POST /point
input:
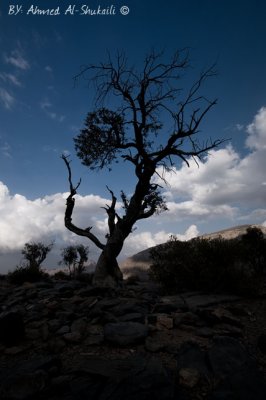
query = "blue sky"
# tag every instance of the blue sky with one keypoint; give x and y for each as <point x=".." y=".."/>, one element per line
<point x="41" y="110"/>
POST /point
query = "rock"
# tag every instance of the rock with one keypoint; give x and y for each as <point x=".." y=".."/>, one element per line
<point x="15" y="350"/>
<point x="262" y="343"/>
<point x="64" y="329"/>
<point x="169" y="304"/>
<point x="187" y="318"/>
<point x="220" y="315"/>
<point x="135" y="317"/>
<point x="94" y="340"/>
<point x="195" y="301"/>
<point x="44" y="331"/>
<point x="131" y="379"/>
<point x="54" y="325"/>
<point x="128" y="306"/>
<point x="72" y="337"/>
<point x="79" y="326"/>
<point x="56" y="345"/>
<point x="189" y="377"/>
<point x="191" y="356"/>
<point x="125" y="333"/>
<point x="226" y="355"/>
<point x="155" y="343"/>
<point x="234" y="370"/>
<point x="27" y="379"/>
<point x="164" y="322"/>
<point x="33" y="334"/>
<point x="12" y="329"/>
<point x="204" y="332"/>
<point x="103" y="318"/>
<point x="228" y="367"/>
<point x="228" y="330"/>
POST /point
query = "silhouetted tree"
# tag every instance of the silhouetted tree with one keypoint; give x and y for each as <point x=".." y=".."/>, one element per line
<point x="74" y="257"/>
<point x="135" y="132"/>
<point x="35" y="253"/>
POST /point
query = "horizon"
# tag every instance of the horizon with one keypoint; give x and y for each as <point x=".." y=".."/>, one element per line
<point x="41" y="110"/>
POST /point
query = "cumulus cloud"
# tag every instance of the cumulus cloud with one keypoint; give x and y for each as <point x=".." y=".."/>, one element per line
<point x="140" y="241"/>
<point x="42" y="219"/>
<point x="224" y="183"/>
<point x="257" y="132"/>
<point x="23" y="220"/>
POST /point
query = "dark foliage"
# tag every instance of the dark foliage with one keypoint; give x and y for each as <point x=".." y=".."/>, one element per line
<point x="103" y="134"/>
<point x="30" y="269"/>
<point x="211" y="265"/>
<point x="26" y="274"/>
<point x="35" y="253"/>
<point x="74" y="258"/>
<point x="61" y="276"/>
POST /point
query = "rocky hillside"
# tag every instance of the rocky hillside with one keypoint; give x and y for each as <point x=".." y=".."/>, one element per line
<point x="142" y="261"/>
<point x="68" y="340"/>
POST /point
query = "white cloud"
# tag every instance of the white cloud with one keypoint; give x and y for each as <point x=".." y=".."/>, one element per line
<point x="6" y="99"/>
<point x="17" y="59"/>
<point x="224" y="183"/>
<point x="141" y="241"/>
<point x="257" y="131"/>
<point x="23" y="220"/>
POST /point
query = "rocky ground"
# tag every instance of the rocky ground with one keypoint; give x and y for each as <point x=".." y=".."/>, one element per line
<point x="69" y="340"/>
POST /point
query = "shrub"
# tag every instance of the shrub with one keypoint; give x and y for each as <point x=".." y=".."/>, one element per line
<point x="30" y="269"/>
<point x="61" y="275"/>
<point x="211" y="265"/>
<point x="26" y="274"/>
<point x="85" y="277"/>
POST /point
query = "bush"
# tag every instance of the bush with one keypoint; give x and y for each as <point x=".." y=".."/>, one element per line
<point x="30" y="269"/>
<point x="61" y="275"/>
<point x="211" y="265"/>
<point x="85" y="277"/>
<point x="26" y="274"/>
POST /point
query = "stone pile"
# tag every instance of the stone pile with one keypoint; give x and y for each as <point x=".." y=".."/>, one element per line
<point x="69" y="340"/>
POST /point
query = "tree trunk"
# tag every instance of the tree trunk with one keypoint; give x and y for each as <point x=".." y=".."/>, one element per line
<point x="107" y="272"/>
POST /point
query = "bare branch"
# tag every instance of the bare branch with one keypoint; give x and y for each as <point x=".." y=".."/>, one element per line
<point x="73" y="189"/>
<point x="111" y="212"/>
<point x="70" y="204"/>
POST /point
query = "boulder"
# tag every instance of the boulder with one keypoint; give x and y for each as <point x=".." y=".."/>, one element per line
<point x="131" y="379"/>
<point x="125" y="333"/>
<point x="12" y="329"/>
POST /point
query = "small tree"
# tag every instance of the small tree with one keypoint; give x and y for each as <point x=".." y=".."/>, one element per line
<point x="74" y="257"/>
<point x="30" y="268"/>
<point x="134" y="133"/>
<point x="35" y="253"/>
